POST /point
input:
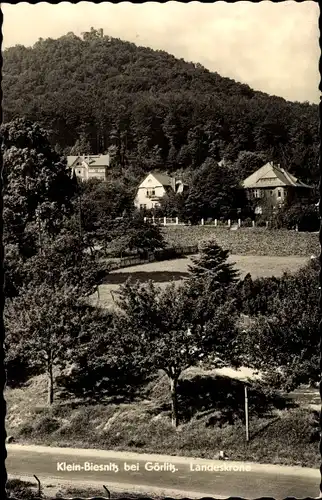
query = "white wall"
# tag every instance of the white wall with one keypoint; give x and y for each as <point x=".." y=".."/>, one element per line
<point x="149" y="183"/>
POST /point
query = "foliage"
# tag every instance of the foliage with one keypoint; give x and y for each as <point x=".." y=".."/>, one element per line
<point x="99" y="367"/>
<point x="169" y="330"/>
<point x="303" y="216"/>
<point x="210" y="267"/>
<point x="44" y="325"/>
<point x="37" y="195"/>
<point x="282" y="340"/>
<point x="153" y="109"/>
<point x="214" y="192"/>
<point x="133" y="233"/>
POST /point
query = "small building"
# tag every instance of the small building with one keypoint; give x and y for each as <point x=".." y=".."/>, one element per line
<point x="154" y="187"/>
<point x="272" y="186"/>
<point x="89" y="166"/>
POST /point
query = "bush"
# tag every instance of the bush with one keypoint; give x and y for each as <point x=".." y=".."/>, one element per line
<point x="46" y="425"/>
<point x="305" y="218"/>
<point x="166" y="254"/>
<point x="20" y="490"/>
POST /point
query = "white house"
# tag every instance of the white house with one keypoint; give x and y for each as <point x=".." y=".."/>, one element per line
<point x="154" y="187"/>
<point x="89" y="166"/>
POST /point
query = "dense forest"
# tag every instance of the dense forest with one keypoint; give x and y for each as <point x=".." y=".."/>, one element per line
<point x="151" y="110"/>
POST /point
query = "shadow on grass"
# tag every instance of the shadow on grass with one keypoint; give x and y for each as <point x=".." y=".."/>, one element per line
<point x="156" y="276"/>
<point x="226" y="395"/>
<point x="220" y="399"/>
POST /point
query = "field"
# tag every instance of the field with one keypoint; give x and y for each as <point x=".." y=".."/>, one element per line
<point x="246" y="241"/>
<point x="176" y="270"/>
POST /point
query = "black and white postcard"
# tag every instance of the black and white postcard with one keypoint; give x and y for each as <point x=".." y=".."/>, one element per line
<point x="161" y="249"/>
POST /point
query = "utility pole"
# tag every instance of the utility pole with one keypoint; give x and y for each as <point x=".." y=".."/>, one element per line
<point x="246" y="414"/>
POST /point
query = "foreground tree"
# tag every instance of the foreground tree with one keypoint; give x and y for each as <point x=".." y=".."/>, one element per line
<point x="44" y="327"/>
<point x="168" y="330"/>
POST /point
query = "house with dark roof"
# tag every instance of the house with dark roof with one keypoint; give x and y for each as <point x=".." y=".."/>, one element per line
<point x="154" y="187"/>
<point x="89" y="166"/>
<point x="271" y="186"/>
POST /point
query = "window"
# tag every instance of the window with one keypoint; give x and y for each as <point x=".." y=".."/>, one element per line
<point x="257" y="193"/>
<point x="279" y="193"/>
<point x="150" y="192"/>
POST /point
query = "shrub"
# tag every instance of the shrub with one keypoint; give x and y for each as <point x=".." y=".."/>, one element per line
<point x="46" y="425"/>
<point x="20" y="490"/>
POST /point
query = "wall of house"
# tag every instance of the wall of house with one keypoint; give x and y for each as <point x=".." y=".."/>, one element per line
<point x="96" y="173"/>
<point x="142" y="198"/>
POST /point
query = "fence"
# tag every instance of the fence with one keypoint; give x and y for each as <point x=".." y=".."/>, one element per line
<point x="157" y="255"/>
<point x="230" y="223"/>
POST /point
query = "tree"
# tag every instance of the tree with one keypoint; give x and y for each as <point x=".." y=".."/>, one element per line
<point x="248" y="162"/>
<point x="167" y="329"/>
<point x="82" y="146"/>
<point x="132" y="233"/>
<point x="211" y="267"/>
<point x="44" y="327"/>
<point x="37" y="194"/>
<point x="37" y="184"/>
<point x="213" y="192"/>
<point x="100" y="365"/>
<point x="283" y="342"/>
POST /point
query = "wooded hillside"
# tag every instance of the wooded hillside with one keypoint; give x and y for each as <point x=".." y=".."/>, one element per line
<point x="95" y="93"/>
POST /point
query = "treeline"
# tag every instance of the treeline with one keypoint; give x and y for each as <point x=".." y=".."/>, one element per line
<point x="150" y="110"/>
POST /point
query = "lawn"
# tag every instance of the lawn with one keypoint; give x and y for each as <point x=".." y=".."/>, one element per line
<point x="176" y="270"/>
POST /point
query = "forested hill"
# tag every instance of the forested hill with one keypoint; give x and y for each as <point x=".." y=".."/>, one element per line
<point x="151" y="110"/>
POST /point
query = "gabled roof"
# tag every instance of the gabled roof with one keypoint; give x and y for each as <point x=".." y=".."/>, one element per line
<point x="272" y="175"/>
<point x="164" y="179"/>
<point x="71" y="160"/>
<point x="90" y="160"/>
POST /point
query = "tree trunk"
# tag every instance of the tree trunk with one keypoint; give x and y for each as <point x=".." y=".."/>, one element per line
<point x="50" y="387"/>
<point x="174" y="401"/>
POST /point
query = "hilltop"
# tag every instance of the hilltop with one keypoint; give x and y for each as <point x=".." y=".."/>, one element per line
<point x="151" y="109"/>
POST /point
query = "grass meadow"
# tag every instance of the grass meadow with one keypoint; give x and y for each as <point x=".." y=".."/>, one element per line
<point x="177" y="270"/>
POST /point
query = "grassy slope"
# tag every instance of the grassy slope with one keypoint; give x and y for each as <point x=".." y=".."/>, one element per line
<point x="280" y="436"/>
<point x="246" y="241"/>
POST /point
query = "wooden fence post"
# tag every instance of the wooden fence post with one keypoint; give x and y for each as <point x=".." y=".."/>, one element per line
<point x="239" y="223"/>
<point x="202" y="222"/>
<point x="215" y="222"/>
<point x="177" y="220"/>
<point x="253" y="223"/>
<point x="228" y="222"/>
<point x="164" y="221"/>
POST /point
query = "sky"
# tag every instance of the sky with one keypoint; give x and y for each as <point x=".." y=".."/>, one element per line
<point x="273" y="47"/>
